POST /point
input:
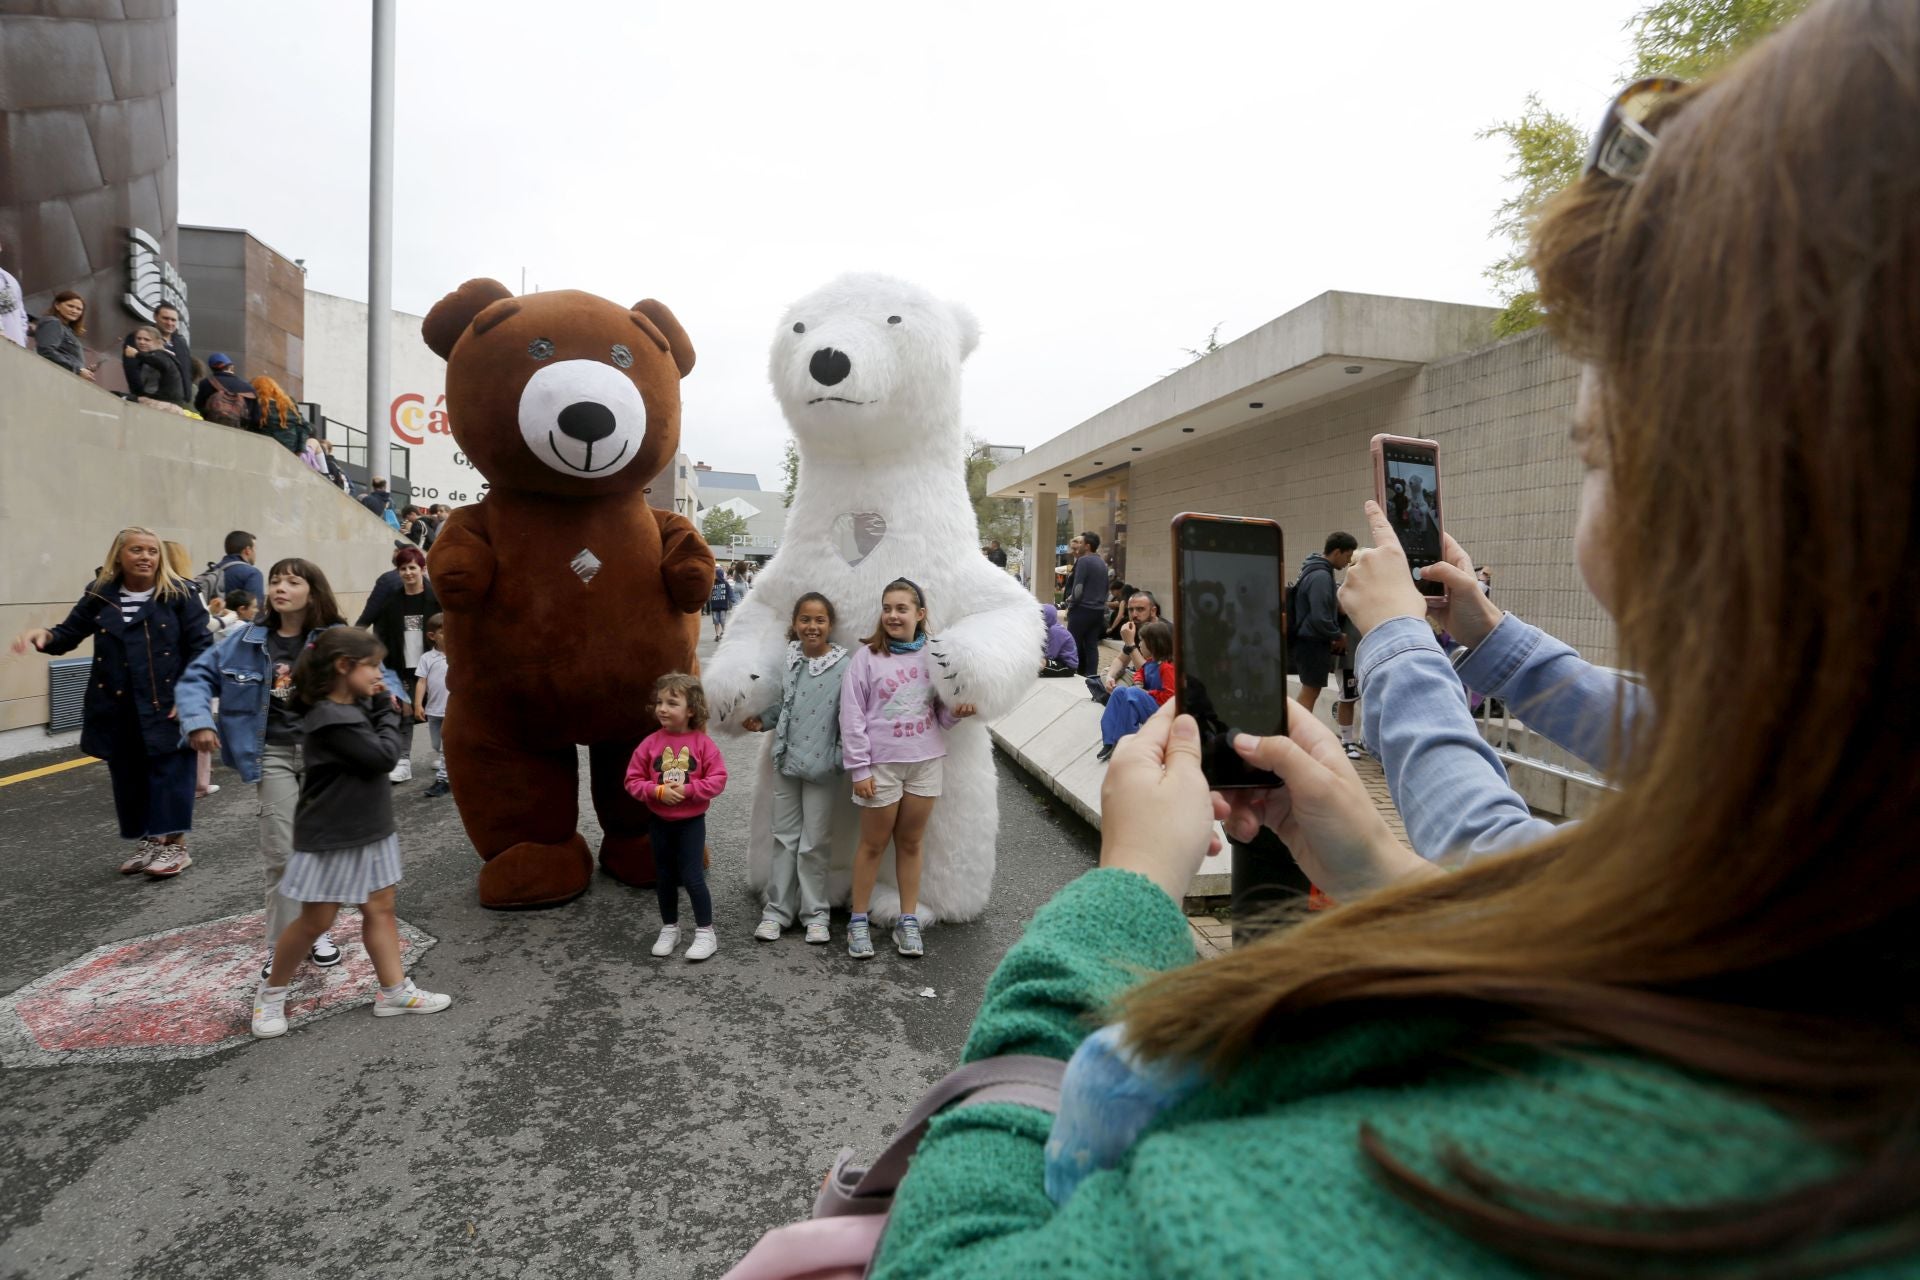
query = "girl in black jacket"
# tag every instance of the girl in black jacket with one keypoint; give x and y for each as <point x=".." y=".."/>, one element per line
<point x="345" y="851"/>
<point x="146" y="625"/>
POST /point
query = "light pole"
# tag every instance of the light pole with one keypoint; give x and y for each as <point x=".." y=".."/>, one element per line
<point x="380" y="246"/>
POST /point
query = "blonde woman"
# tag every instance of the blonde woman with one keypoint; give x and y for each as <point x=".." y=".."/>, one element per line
<point x="146" y="624"/>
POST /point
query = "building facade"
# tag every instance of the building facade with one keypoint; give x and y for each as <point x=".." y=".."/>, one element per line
<point x="1278" y="425"/>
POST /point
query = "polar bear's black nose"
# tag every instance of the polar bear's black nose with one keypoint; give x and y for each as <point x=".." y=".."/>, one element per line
<point x="829" y="366"/>
<point x="587" y="420"/>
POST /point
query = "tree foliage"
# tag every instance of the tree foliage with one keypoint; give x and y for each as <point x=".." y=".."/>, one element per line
<point x="1207" y="348"/>
<point x="721" y="526"/>
<point x="790" y="469"/>
<point x="1001" y="518"/>
<point x="1684" y="38"/>
<point x="1688" y="38"/>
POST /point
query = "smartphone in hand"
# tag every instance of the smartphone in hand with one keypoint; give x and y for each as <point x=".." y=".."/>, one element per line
<point x="1230" y="638"/>
<point x="1406" y="484"/>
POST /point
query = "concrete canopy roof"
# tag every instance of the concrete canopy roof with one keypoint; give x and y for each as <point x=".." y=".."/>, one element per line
<point x="1333" y="345"/>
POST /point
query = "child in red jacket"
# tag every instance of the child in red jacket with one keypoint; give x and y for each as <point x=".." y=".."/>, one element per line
<point x="676" y="772"/>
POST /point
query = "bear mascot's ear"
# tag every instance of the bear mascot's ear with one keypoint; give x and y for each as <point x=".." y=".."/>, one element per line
<point x="452" y="315"/>
<point x="659" y="324"/>
<point x="968" y="326"/>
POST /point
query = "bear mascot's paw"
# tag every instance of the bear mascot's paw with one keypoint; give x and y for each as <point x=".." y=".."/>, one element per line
<point x="537" y="875"/>
<point x="566" y="595"/>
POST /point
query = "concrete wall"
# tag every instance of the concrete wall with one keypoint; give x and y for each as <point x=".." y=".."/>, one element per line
<point x="1510" y="478"/>
<point x="80" y="465"/>
<point x="249" y="302"/>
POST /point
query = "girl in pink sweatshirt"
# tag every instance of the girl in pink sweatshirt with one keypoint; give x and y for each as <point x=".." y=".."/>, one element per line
<point x="893" y="736"/>
<point x="676" y="772"/>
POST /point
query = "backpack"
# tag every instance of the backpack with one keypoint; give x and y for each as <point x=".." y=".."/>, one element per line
<point x="229" y="408"/>
<point x="842" y="1238"/>
<point x="211" y="581"/>
<point x="1294" y="603"/>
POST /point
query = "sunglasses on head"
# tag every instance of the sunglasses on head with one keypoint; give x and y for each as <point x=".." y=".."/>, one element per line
<point x="1623" y="144"/>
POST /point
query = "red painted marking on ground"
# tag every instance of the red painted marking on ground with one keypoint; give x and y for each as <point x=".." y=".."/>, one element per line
<point x="181" y="993"/>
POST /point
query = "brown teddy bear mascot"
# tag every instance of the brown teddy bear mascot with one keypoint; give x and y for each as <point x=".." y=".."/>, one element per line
<point x="566" y="595"/>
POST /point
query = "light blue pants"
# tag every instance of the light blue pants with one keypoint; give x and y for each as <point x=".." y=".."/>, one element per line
<point x="802" y="831"/>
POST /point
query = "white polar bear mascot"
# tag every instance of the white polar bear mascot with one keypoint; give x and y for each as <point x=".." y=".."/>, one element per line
<point x="867" y="370"/>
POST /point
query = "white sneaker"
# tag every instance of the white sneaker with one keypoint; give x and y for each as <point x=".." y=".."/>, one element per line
<point x="705" y="943"/>
<point x="402" y="772"/>
<point x="817" y="932"/>
<point x="269" y="1013"/>
<point x="669" y="939"/>
<point x="767" y="930"/>
<point x="324" y="953"/>
<point x="409" y="999"/>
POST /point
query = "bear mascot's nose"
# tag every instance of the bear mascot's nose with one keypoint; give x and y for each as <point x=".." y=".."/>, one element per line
<point x="587" y="420"/>
<point x="829" y="366"/>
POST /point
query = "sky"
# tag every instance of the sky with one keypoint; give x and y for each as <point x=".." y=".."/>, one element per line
<point x="1101" y="183"/>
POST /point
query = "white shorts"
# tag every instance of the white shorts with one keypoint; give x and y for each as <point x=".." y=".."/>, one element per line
<point x="891" y="781"/>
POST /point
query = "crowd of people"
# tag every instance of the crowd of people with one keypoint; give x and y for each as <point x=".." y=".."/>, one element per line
<point x="262" y="669"/>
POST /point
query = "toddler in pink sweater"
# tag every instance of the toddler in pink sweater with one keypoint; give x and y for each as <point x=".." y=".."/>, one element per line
<point x="893" y="736"/>
<point x="676" y="772"/>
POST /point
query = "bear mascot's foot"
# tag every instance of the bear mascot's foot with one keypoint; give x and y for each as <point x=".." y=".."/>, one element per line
<point x="628" y="859"/>
<point x="536" y="875"/>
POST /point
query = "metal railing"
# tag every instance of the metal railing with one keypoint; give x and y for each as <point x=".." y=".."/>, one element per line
<point x="350" y="451"/>
<point x="1514" y="743"/>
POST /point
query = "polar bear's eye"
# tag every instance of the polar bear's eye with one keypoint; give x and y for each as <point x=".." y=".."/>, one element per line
<point x="893" y="319"/>
<point x="798" y="327"/>
<point x="540" y="348"/>
<point x="622" y="356"/>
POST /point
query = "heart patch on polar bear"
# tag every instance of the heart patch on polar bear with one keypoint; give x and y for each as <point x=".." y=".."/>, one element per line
<point x="856" y="533"/>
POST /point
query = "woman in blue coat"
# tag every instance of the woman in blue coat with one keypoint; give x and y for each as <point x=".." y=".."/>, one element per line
<point x="146" y="624"/>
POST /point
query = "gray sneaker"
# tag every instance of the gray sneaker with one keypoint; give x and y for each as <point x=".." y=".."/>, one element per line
<point x="906" y="937"/>
<point x="859" y="941"/>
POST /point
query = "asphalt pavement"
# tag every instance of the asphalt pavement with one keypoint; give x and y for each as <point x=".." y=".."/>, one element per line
<point x="583" y="1110"/>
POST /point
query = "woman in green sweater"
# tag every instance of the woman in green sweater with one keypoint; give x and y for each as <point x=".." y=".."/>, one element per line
<point x="1680" y="1038"/>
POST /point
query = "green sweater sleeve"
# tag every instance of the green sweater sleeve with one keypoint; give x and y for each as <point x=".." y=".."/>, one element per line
<point x="974" y="1202"/>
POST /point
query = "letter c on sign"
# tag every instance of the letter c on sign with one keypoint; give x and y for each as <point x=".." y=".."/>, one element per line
<point x="407" y="417"/>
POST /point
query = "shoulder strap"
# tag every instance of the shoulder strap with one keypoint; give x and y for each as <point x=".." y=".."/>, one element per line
<point x="1024" y="1079"/>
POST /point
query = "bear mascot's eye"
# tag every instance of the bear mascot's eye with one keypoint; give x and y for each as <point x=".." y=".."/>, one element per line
<point x="893" y="319"/>
<point x="798" y="327"/>
<point x="622" y="356"/>
<point x="540" y="348"/>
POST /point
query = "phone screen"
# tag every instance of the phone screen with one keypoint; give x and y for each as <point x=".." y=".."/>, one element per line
<point x="1230" y="640"/>
<point x="1412" y="501"/>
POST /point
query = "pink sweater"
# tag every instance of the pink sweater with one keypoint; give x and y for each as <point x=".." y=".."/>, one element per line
<point x="889" y="713"/>
<point x="688" y="758"/>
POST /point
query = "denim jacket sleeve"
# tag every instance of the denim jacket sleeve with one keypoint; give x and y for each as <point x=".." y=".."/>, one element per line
<point x="1553" y="690"/>
<point x="1450" y="787"/>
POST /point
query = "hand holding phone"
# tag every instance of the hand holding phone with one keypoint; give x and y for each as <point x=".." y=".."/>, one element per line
<point x="1230" y="638"/>
<point x="1406" y="487"/>
<point x="1378" y="585"/>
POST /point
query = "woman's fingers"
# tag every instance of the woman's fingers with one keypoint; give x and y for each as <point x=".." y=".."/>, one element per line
<point x="1380" y="526"/>
<point x="1455" y="554"/>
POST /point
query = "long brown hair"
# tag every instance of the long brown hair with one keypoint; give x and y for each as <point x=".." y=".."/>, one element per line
<point x="318" y="669"/>
<point x="67" y="295"/>
<point x="321" y="611"/>
<point x="877" y="642"/>
<point x="1746" y="905"/>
